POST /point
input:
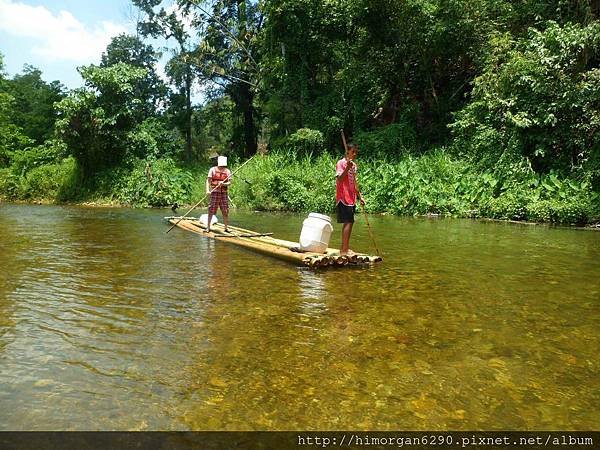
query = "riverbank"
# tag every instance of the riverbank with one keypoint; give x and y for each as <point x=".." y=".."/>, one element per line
<point x="435" y="183"/>
<point x="181" y="208"/>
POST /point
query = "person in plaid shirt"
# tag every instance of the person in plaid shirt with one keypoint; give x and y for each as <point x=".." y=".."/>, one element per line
<point x="217" y="182"/>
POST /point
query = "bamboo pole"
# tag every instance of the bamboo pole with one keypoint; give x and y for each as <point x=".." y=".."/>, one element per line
<point x="247" y="235"/>
<point x="339" y="261"/>
<point x="370" y="231"/>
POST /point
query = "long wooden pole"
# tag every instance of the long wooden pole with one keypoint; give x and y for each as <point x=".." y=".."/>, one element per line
<point x="363" y="206"/>
<point x="211" y="191"/>
<point x="370" y="231"/>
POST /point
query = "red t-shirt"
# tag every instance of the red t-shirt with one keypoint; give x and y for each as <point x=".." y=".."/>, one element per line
<point x="345" y="188"/>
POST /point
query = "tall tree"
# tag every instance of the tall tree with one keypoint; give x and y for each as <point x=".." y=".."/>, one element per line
<point x="225" y="54"/>
<point x="233" y="40"/>
<point x="169" y="24"/>
<point x="306" y="46"/>
<point x="12" y="137"/>
<point x="34" y="103"/>
<point x="151" y="90"/>
<point x="96" y="121"/>
<point x="537" y="99"/>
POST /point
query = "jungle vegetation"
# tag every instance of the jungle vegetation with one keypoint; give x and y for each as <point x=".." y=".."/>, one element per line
<point x="480" y="108"/>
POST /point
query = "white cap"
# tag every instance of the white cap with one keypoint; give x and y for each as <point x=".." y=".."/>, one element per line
<point x="222" y="161"/>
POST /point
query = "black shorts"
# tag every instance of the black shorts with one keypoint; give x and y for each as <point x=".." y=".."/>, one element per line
<point x="345" y="213"/>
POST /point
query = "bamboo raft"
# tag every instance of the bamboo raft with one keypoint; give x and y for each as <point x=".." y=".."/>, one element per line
<point x="266" y="244"/>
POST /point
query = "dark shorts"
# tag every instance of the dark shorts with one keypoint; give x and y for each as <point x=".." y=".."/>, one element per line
<point x="345" y="213"/>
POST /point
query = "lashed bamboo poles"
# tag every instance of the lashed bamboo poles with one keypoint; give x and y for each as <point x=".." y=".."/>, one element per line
<point x="271" y="246"/>
<point x="330" y="252"/>
<point x="261" y="247"/>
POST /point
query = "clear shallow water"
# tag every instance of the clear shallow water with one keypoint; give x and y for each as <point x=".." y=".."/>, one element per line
<point x="108" y="323"/>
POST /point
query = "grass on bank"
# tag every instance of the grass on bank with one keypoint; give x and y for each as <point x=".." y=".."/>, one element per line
<point x="433" y="183"/>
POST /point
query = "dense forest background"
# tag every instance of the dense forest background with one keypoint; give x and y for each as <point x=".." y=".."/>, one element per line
<point x="464" y="107"/>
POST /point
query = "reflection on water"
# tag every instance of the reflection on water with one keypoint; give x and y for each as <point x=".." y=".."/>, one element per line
<point x="106" y="322"/>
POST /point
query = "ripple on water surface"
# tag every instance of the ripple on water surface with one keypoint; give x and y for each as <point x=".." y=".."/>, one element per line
<point x="106" y="322"/>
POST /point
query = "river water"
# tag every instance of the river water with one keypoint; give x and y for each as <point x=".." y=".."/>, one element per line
<point x="108" y="323"/>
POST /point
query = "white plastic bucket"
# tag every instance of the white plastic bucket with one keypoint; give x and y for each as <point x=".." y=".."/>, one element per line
<point x="316" y="232"/>
<point x="204" y="219"/>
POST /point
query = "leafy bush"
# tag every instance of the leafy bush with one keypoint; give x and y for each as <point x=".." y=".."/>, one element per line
<point x="305" y="142"/>
<point x="393" y="140"/>
<point x="283" y="181"/>
<point x="572" y="211"/>
<point x="433" y="183"/>
<point x="537" y="98"/>
<point x="509" y="206"/>
<point x="44" y="182"/>
<point x="50" y="152"/>
<point x="289" y="191"/>
<point x="12" y="137"/>
<point x="10" y="184"/>
<point x="429" y="184"/>
<point x="155" y="183"/>
<point x="153" y="139"/>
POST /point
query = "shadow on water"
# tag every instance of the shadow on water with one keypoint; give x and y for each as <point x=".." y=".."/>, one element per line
<point x="108" y="323"/>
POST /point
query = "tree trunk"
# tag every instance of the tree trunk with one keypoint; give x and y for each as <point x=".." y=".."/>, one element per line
<point x="250" y="134"/>
<point x="188" y="115"/>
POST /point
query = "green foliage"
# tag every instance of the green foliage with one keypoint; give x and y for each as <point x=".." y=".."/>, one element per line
<point x="212" y="124"/>
<point x="537" y="99"/>
<point x="434" y="183"/>
<point x="387" y="142"/>
<point x="46" y="181"/>
<point x="508" y="206"/>
<point x="150" y="90"/>
<point x="154" y="183"/>
<point x="284" y="181"/>
<point x="43" y="182"/>
<point x="305" y="142"/>
<point x="10" y="184"/>
<point x="50" y="152"/>
<point x="153" y="139"/>
<point x="570" y="211"/>
<point x="26" y="114"/>
<point x="95" y="122"/>
<point x="12" y="137"/>
<point x="34" y="100"/>
<point x="545" y="198"/>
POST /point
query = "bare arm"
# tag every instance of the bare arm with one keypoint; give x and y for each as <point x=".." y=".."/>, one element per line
<point x="344" y="173"/>
<point x="227" y="181"/>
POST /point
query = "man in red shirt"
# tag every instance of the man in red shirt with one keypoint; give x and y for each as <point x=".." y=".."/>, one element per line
<point x="346" y="194"/>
